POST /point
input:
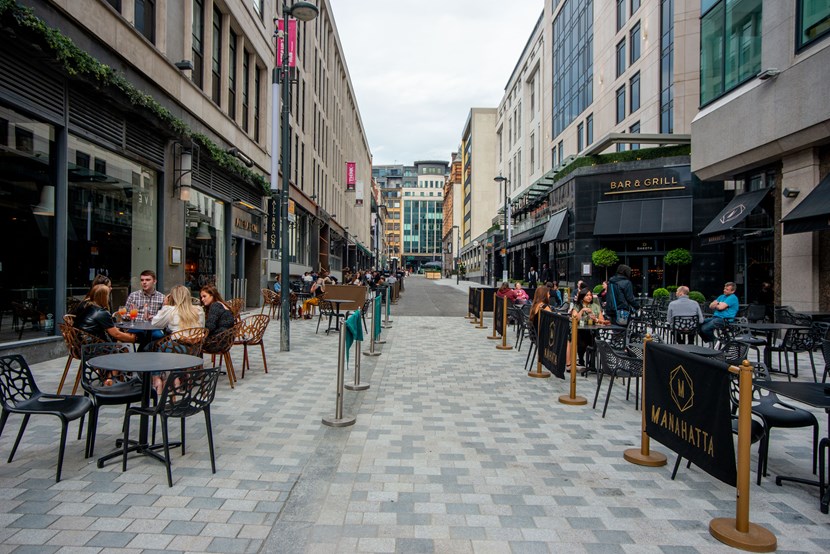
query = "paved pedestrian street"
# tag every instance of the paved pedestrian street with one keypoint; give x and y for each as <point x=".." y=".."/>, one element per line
<point x="455" y="449"/>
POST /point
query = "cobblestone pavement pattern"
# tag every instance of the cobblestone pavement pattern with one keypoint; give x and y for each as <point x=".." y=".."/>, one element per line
<point x="455" y="449"/>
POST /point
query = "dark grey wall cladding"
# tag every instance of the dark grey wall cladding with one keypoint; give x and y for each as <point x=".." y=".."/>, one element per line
<point x="41" y="91"/>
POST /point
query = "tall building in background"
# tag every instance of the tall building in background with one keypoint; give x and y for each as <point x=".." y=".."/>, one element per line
<point x="422" y="214"/>
<point x="389" y="179"/>
<point x="453" y="214"/>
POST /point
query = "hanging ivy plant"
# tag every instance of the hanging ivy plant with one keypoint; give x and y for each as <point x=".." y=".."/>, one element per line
<point x="79" y="64"/>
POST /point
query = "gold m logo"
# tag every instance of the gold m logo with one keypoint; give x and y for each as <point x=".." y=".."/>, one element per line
<point x="682" y="388"/>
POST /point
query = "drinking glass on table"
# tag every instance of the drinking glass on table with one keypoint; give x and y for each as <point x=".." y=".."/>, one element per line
<point x="122" y="311"/>
<point x="133" y="313"/>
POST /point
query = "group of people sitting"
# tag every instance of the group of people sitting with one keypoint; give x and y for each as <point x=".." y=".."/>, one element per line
<point x="169" y="313"/>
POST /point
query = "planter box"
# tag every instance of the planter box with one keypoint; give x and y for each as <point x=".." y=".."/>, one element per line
<point x="432" y="274"/>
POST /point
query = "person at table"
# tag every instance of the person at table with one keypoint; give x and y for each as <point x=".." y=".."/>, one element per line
<point x="277" y="285"/>
<point x="219" y="317"/>
<point x="588" y="312"/>
<point x="683" y="306"/>
<point x="147" y="300"/>
<point x="99" y="280"/>
<point x="318" y="289"/>
<point x="726" y="308"/>
<point x="504" y="290"/>
<point x="541" y="301"/>
<point x="579" y="286"/>
<point x="95" y="318"/>
<point x="519" y="297"/>
<point x="178" y="311"/>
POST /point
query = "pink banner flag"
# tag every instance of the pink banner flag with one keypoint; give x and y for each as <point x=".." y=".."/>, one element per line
<point x="292" y="42"/>
<point x="351" y="175"/>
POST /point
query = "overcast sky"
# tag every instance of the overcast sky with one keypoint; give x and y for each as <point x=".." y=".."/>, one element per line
<point x="418" y="66"/>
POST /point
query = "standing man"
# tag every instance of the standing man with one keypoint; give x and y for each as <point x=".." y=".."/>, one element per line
<point x="532" y="278"/>
<point x="726" y="308"/>
<point x="147" y="300"/>
<point x="546" y="274"/>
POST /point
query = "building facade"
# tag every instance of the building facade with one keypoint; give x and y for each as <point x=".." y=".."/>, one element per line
<point x="389" y="179"/>
<point x="422" y="213"/>
<point x="453" y="190"/>
<point x="138" y="137"/>
<point x="761" y="126"/>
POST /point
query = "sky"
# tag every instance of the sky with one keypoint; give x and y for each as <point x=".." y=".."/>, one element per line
<point x="418" y="66"/>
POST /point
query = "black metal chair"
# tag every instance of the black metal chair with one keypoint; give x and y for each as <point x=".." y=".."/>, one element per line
<point x="185" y="394"/>
<point x="616" y="364"/>
<point x="795" y="342"/>
<point x="825" y="350"/>
<point x="684" y="329"/>
<point x="122" y="390"/>
<point x="756" y="313"/>
<point x="325" y="309"/>
<point x="20" y="394"/>
<point x="734" y="352"/>
<point x="530" y="329"/>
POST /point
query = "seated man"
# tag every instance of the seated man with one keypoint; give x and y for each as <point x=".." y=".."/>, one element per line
<point x="726" y="307"/>
<point x="683" y="306"/>
<point x="147" y="300"/>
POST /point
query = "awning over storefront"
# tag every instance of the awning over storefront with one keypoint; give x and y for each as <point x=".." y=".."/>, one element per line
<point x="363" y="249"/>
<point x="556" y="227"/>
<point x="812" y="214"/>
<point x="736" y="211"/>
<point x="644" y="217"/>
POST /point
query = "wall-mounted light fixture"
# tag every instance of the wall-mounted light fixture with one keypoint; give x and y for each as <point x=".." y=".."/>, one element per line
<point x="234" y="151"/>
<point x="790" y="193"/>
<point x="769" y="73"/>
<point x="46" y="206"/>
<point x="184" y="65"/>
<point x="250" y="206"/>
<point x="183" y="168"/>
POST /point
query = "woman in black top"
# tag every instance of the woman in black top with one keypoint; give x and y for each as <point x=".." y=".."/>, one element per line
<point x="219" y="317"/>
<point x="95" y="319"/>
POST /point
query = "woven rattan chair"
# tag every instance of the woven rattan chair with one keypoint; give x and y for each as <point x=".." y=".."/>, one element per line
<point x="235" y="305"/>
<point x="271" y="300"/>
<point x="74" y="339"/>
<point x="250" y="334"/>
<point x="220" y="344"/>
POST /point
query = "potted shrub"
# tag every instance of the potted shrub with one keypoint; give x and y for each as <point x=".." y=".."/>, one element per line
<point x="604" y="257"/>
<point x="660" y="293"/>
<point x="697" y="297"/>
<point x="678" y="257"/>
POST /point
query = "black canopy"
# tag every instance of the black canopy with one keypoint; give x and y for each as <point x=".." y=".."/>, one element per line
<point x="813" y="213"/>
<point x="555" y="226"/>
<point x="644" y="217"/>
<point x="735" y="212"/>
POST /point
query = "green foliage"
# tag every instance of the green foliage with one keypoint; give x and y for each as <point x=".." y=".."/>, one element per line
<point x="661" y="293"/>
<point x="678" y="257"/>
<point x="598" y="289"/>
<point x="671" y="288"/>
<point x="80" y="65"/>
<point x="604" y="257"/>
<point x="626" y="156"/>
<point x="697" y="297"/>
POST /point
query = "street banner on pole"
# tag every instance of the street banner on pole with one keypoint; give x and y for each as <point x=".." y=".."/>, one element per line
<point x="351" y="175"/>
<point x="292" y="42"/>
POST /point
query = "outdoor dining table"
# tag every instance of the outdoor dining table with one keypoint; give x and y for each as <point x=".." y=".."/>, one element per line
<point x="144" y="364"/>
<point x="142" y="329"/>
<point x="336" y="302"/>
<point x="769" y="329"/>
<point x="816" y="395"/>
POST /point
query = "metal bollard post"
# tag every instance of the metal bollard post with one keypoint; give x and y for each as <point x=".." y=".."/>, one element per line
<point x="338" y="420"/>
<point x="380" y="340"/>
<point x="387" y="322"/>
<point x="357" y="386"/>
<point x="371" y="351"/>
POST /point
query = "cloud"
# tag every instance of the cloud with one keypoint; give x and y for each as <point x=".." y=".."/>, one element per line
<point x="418" y="66"/>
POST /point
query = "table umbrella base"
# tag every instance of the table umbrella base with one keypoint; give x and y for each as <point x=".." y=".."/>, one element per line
<point x="652" y="459"/>
<point x="756" y="539"/>
<point x="572" y="401"/>
<point x="357" y="387"/>
<point x="339" y="422"/>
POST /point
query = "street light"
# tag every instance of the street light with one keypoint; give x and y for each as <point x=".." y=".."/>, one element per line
<point x="302" y="11"/>
<point x="504" y="273"/>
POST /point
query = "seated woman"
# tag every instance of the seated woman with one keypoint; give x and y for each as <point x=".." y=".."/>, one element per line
<point x="519" y="297"/>
<point x="179" y="312"/>
<point x="541" y="301"/>
<point x="588" y="313"/>
<point x="219" y="317"/>
<point x="99" y="280"/>
<point x="94" y="317"/>
<point x="504" y="290"/>
<point x="318" y="289"/>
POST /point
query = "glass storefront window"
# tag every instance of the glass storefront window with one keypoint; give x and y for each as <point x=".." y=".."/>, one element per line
<point x="204" y="243"/>
<point x="112" y="228"/>
<point x="813" y="21"/>
<point x="27" y="216"/>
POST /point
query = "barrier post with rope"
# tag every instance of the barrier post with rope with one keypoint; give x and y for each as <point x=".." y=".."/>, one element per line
<point x="571" y="398"/>
<point x="338" y="420"/>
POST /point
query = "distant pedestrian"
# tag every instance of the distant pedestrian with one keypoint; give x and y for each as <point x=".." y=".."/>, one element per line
<point x="532" y="277"/>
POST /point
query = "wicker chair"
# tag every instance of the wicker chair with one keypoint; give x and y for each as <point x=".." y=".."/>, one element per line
<point x="74" y="339"/>
<point x="235" y="305"/>
<point x="272" y="300"/>
<point x="185" y="341"/>
<point x="250" y="333"/>
<point x="220" y="344"/>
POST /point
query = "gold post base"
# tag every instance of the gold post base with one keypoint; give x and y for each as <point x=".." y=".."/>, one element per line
<point x="572" y="401"/>
<point x="504" y="347"/>
<point x="756" y="539"/>
<point x="652" y="459"/>
<point x="494" y="337"/>
<point x="544" y="374"/>
<point x="480" y="327"/>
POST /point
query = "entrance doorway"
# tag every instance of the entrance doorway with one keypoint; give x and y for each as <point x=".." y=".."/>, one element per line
<point x="647" y="273"/>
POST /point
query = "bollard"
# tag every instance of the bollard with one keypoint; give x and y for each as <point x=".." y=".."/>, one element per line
<point x="380" y="340"/>
<point x="739" y="532"/>
<point x="371" y="351"/>
<point x="357" y="386"/>
<point x="494" y="336"/>
<point x="387" y="308"/>
<point x="503" y="345"/>
<point x="644" y="456"/>
<point x="540" y="373"/>
<point x="571" y="398"/>
<point x="338" y="420"/>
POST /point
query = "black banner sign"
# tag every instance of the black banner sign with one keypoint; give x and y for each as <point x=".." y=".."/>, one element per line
<point x="687" y="409"/>
<point x="554" y="331"/>
<point x="272" y="223"/>
<point x="471" y="295"/>
<point x="476" y="293"/>
<point x="499" y="314"/>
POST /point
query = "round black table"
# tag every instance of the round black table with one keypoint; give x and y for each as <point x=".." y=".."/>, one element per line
<point x="142" y="329"/>
<point x="698" y="350"/>
<point x="145" y="364"/>
<point x="769" y="329"/>
<point x="336" y="303"/>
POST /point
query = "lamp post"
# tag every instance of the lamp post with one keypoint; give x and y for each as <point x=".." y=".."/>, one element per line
<point x="302" y="11"/>
<point x="457" y="252"/>
<point x="504" y="274"/>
